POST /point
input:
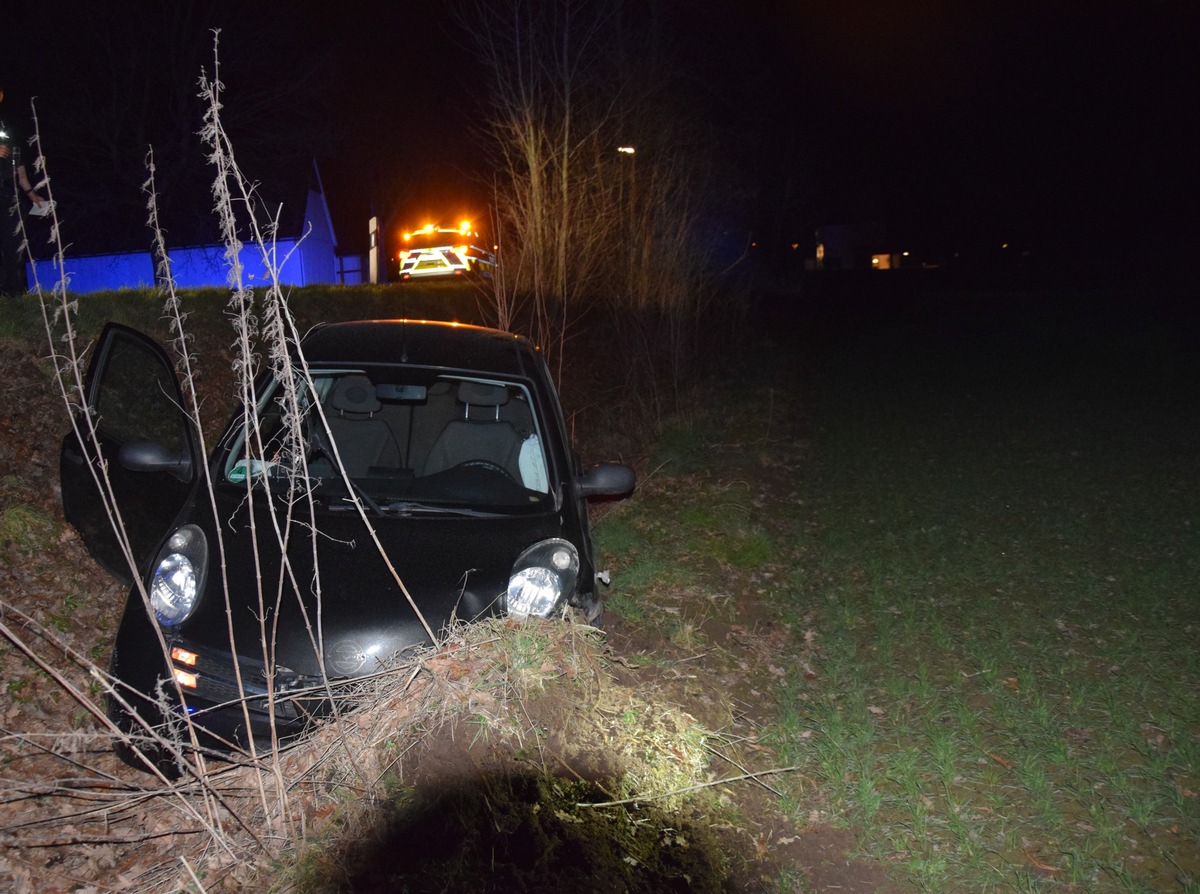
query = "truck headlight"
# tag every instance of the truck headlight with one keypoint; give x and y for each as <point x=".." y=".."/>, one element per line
<point x="178" y="577"/>
<point x="542" y="577"/>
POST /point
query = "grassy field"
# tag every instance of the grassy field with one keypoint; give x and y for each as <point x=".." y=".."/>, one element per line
<point x="939" y="562"/>
<point x="979" y="524"/>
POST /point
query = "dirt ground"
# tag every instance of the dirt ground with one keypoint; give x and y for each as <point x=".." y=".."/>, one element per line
<point x="75" y="819"/>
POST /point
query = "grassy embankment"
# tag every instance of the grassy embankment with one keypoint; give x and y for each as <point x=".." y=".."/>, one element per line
<point x="21" y="321"/>
<point x="982" y="529"/>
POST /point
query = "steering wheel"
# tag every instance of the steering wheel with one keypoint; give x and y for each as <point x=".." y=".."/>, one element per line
<point x="487" y="464"/>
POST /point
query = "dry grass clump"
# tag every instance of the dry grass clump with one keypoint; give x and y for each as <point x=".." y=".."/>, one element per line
<point x="497" y="699"/>
<point x="24" y="526"/>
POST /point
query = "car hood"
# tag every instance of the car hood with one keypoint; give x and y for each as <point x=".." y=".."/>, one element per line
<point x="451" y="566"/>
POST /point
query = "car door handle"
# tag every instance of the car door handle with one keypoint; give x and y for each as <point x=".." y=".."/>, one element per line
<point x="73" y="456"/>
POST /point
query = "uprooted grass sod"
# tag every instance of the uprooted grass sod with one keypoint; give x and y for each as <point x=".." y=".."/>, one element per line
<point x="475" y="768"/>
<point x="986" y="551"/>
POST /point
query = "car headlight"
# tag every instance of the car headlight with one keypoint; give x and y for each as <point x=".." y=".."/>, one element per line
<point x="542" y="577"/>
<point x="178" y="577"/>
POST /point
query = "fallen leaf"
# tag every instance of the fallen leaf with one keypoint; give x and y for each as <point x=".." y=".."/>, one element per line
<point x="1042" y="866"/>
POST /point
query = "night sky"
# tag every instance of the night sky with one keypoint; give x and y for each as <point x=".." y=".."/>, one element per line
<point x="1045" y="123"/>
<point x="1066" y="127"/>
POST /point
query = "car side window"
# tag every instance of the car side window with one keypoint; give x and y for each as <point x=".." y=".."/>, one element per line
<point x="135" y="398"/>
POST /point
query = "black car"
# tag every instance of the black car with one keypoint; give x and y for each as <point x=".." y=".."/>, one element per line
<point x="415" y="466"/>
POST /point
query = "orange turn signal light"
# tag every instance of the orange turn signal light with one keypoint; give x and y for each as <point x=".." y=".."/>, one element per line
<point x="183" y="656"/>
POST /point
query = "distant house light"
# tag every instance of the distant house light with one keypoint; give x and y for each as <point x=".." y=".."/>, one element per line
<point x="626" y="150"/>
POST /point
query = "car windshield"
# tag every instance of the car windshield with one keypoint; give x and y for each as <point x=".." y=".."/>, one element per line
<point x="408" y="440"/>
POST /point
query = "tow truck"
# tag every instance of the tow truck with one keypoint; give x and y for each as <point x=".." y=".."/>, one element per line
<point x="441" y="251"/>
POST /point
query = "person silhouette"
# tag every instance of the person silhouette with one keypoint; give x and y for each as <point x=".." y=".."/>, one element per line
<point x="18" y="175"/>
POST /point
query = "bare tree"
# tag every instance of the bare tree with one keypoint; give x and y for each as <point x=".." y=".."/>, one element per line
<point x="601" y="181"/>
<point x="545" y="118"/>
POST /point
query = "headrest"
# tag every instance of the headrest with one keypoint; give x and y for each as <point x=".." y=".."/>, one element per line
<point x="476" y="394"/>
<point x="354" y="394"/>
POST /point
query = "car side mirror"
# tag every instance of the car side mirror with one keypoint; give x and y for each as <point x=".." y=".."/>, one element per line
<point x="607" y="480"/>
<point x="147" y="456"/>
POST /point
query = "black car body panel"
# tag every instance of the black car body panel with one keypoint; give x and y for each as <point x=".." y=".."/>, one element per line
<point x="360" y="599"/>
<point x="423" y="512"/>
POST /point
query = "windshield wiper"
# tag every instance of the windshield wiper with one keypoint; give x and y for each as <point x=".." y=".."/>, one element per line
<point x="406" y="508"/>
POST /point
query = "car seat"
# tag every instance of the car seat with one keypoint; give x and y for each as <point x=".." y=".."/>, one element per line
<point x="364" y="439"/>
<point x="480" y="434"/>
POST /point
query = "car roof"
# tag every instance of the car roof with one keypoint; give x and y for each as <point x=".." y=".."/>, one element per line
<point x="422" y="343"/>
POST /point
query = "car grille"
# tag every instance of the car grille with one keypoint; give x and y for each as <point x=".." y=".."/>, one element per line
<point x="215" y="680"/>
